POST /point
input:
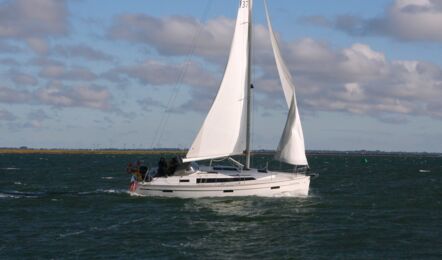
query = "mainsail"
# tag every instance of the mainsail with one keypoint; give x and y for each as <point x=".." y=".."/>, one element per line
<point x="291" y="147"/>
<point x="223" y="132"/>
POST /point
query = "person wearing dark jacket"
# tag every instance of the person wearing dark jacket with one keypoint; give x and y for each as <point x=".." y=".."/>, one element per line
<point x="173" y="165"/>
<point x="162" y="167"/>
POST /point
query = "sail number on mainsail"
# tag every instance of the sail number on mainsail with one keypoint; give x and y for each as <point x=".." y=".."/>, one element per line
<point x="244" y="4"/>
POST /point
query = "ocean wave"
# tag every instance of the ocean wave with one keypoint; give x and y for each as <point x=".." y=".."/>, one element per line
<point x="39" y="194"/>
<point x="5" y="196"/>
<point x="105" y="228"/>
<point x="10" y="169"/>
<point x="69" y="234"/>
<point x="113" y="191"/>
<point x="105" y="191"/>
<point x="290" y="194"/>
<point x="19" y="194"/>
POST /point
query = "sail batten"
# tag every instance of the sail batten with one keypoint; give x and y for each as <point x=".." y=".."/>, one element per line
<point x="291" y="148"/>
<point x="224" y="131"/>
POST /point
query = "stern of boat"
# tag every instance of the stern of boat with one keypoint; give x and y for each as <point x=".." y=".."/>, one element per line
<point x="133" y="184"/>
<point x="139" y="173"/>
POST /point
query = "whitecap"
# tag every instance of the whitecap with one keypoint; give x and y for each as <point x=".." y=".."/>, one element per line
<point x="19" y="194"/>
<point x="107" y="178"/>
<point x="113" y="191"/>
<point x="9" y="196"/>
<point x="134" y="194"/>
<point x="290" y="194"/>
<point x="72" y="233"/>
<point x="109" y="191"/>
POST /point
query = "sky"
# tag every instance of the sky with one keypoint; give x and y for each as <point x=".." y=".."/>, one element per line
<point x="143" y="73"/>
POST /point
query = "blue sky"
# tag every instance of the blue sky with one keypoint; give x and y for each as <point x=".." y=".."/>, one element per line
<point x="100" y="74"/>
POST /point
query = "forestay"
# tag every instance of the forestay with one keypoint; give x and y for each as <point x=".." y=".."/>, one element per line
<point x="223" y="132"/>
<point x="291" y="147"/>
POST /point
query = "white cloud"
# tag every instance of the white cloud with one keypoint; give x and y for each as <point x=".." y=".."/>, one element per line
<point x="356" y="79"/>
<point x="175" y="35"/>
<point x="148" y="103"/>
<point x="409" y="20"/>
<point x="22" y="79"/>
<point x="359" y="80"/>
<point x="6" y="47"/>
<point x="9" y="95"/>
<point x="36" y="119"/>
<point x="81" y="51"/>
<point x="39" y="45"/>
<point x="416" y="19"/>
<point x="179" y="36"/>
<point x="5" y="115"/>
<point x="9" y="62"/>
<point x="23" y="19"/>
<point x="156" y="73"/>
<point x="57" y="95"/>
<point x="60" y="72"/>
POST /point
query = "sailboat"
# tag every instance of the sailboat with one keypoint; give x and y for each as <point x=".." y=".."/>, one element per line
<point x="226" y="132"/>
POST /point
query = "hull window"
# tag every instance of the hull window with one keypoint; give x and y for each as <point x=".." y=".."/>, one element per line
<point x="220" y="180"/>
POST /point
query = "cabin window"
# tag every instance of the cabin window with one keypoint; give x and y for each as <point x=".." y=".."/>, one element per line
<point x="184" y="180"/>
<point x="222" y="180"/>
<point x="225" y="168"/>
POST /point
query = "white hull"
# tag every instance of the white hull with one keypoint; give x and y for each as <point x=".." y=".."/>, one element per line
<point x="253" y="183"/>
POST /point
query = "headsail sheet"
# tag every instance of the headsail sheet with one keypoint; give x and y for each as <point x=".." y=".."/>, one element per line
<point x="291" y="147"/>
<point x="223" y="132"/>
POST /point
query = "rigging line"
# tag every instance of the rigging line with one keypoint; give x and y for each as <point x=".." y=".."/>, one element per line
<point x="178" y="84"/>
<point x="160" y="130"/>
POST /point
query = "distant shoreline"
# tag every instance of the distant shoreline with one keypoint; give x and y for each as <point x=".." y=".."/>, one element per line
<point x="86" y="151"/>
<point x="183" y="152"/>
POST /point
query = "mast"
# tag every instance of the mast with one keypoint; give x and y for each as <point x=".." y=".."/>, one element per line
<point x="249" y="86"/>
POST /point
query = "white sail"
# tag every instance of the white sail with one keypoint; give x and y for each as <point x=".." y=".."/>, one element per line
<point x="284" y="74"/>
<point x="224" y="130"/>
<point x="291" y="147"/>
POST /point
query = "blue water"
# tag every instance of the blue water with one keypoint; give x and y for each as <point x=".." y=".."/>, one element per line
<point x="77" y="206"/>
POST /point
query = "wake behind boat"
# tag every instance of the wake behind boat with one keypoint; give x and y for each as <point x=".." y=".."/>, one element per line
<point x="226" y="132"/>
